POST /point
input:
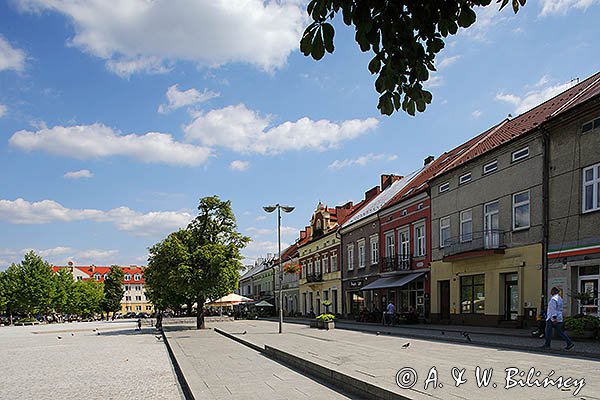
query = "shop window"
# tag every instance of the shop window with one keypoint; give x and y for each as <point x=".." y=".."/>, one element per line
<point x="472" y="294"/>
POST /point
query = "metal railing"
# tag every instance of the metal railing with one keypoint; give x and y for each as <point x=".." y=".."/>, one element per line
<point x="314" y="277"/>
<point x="395" y="263"/>
<point x="480" y="240"/>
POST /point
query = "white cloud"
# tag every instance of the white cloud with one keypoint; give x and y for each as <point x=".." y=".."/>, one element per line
<point x="488" y="18"/>
<point x="239" y="165"/>
<point x="434" y="81"/>
<point x="3" y="110"/>
<point x="360" y="161"/>
<point x="60" y="255"/>
<point x="82" y="173"/>
<point x="10" y="58"/>
<point x="132" y="35"/>
<point x="259" y="231"/>
<point x="97" y="140"/>
<point x="153" y="223"/>
<point x="285" y="231"/>
<point x="446" y="62"/>
<point x="541" y="92"/>
<point x="245" y="131"/>
<point x="181" y="98"/>
<point x="562" y="7"/>
<point x="476" y="114"/>
<point x="260" y="218"/>
<point x="126" y="67"/>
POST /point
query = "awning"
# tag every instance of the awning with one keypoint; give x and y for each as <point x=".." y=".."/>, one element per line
<point x="393" y="281"/>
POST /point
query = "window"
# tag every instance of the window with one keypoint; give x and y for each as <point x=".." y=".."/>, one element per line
<point x="350" y="257"/>
<point x="464" y="178"/>
<point x="148" y="308"/>
<point x="138" y="287"/>
<point x="128" y="308"/>
<point x="444" y="231"/>
<point x="389" y="244"/>
<point x="374" y="240"/>
<point x="325" y="264"/>
<point x="137" y="277"/>
<point x="361" y="253"/>
<point x="404" y="239"/>
<point x="520" y="154"/>
<point x="588" y="126"/>
<point x="521" y="210"/>
<point x="443" y="187"/>
<point x="466" y="226"/>
<point x="317" y="264"/>
<point x="127" y="277"/>
<point x="79" y="278"/>
<point x="490" y="167"/>
<point x="333" y="262"/>
<point x="105" y="276"/>
<point x="310" y="267"/>
<point x="97" y="276"/>
<point x="420" y="242"/>
<point x="404" y="212"/>
<point x="420" y="206"/>
<point x="138" y="298"/>
<point x="138" y="308"/>
<point x="591" y="188"/>
<point x="472" y="294"/>
<point x="127" y="298"/>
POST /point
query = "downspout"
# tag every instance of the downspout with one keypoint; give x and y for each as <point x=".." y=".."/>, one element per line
<point x="546" y="213"/>
<point x="341" y="294"/>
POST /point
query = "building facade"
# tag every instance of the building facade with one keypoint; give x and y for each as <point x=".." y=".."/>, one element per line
<point x="289" y="283"/>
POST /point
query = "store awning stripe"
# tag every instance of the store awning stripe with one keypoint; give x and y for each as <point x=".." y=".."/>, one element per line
<point x="392" y="281"/>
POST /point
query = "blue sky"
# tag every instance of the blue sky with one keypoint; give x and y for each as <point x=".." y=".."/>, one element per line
<point x="115" y="120"/>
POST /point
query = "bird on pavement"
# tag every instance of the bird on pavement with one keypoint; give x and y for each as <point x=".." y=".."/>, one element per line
<point x="405" y="345"/>
<point x="59" y="337"/>
<point x="72" y="334"/>
<point x="94" y="330"/>
<point x="378" y="333"/>
<point x="98" y="333"/>
<point x="468" y="337"/>
<point x="243" y="333"/>
<point x="158" y="337"/>
<point x="443" y="333"/>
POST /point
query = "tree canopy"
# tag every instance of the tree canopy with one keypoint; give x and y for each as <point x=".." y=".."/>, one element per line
<point x="197" y="263"/>
<point x="113" y="290"/>
<point x="404" y="36"/>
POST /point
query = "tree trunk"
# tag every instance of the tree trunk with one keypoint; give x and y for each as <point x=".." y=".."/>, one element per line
<point x="188" y="311"/>
<point x="200" y="313"/>
<point x="10" y="317"/>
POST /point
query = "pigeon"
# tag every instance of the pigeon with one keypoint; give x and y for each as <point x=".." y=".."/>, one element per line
<point x="94" y="330"/>
<point x="72" y="334"/>
<point x="158" y="337"/>
<point x="468" y="337"/>
<point x="59" y="337"/>
<point x="464" y="333"/>
<point x="405" y="345"/>
<point x="378" y="333"/>
<point x="443" y="333"/>
<point x="98" y="333"/>
<point x="243" y="333"/>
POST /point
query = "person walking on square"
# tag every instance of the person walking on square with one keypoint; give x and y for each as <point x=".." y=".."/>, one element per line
<point x="139" y="324"/>
<point x="389" y="313"/>
<point x="554" y="320"/>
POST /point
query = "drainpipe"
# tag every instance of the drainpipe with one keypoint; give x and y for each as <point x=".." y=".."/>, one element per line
<point x="341" y="292"/>
<point x="546" y="212"/>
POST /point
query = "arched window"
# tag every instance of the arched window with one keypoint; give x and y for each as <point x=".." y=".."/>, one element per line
<point x="97" y="276"/>
<point x="137" y="277"/>
<point x="105" y="276"/>
<point x="127" y="277"/>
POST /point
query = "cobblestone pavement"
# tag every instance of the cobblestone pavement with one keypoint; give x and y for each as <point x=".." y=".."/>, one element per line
<point x="120" y="363"/>
<point x="218" y="368"/>
<point x="376" y="358"/>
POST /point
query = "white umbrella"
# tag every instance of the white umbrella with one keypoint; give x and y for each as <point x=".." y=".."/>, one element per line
<point x="230" y="299"/>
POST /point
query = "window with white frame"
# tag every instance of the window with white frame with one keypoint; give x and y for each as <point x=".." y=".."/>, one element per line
<point x="466" y="225"/>
<point x="97" y="276"/>
<point x="334" y="262"/>
<point x="105" y="276"/>
<point x="310" y="267"/>
<point x="588" y="126"/>
<point x="389" y="244"/>
<point x="591" y="188"/>
<point x="127" y="298"/>
<point x="443" y="187"/>
<point x="404" y="243"/>
<point x="137" y="277"/>
<point x="464" y="178"/>
<point x="325" y="263"/>
<point x="520" y="154"/>
<point x="420" y="241"/>
<point x="374" y="240"/>
<point x="317" y="264"/>
<point x="521" y="210"/>
<point x="127" y="277"/>
<point x="350" y="257"/>
<point x="304" y="272"/>
<point x="490" y="167"/>
<point x="138" y="308"/>
<point x="444" y="231"/>
<point x="138" y="298"/>
<point x="361" y="253"/>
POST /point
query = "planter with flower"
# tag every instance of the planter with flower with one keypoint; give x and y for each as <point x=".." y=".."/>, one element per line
<point x="582" y="326"/>
<point x="291" y="268"/>
<point x="326" y="321"/>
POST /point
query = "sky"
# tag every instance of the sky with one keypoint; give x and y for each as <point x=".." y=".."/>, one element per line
<point x="117" y="117"/>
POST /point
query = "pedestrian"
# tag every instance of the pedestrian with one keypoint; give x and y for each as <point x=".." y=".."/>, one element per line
<point x="389" y="313"/>
<point x="139" y="324"/>
<point x="554" y="320"/>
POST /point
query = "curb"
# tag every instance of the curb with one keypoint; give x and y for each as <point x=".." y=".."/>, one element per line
<point x="340" y="381"/>
<point x="185" y="387"/>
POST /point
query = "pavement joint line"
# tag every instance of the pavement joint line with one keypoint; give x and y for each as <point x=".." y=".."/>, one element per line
<point x="185" y="387"/>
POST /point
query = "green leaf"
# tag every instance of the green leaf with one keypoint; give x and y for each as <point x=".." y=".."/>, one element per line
<point x="306" y="42"/>
<point x="318" y="50"/>
<point x="375" y="65"/>
<point x="410" y="107"/>
<point x="385" y="104"/>
<point x="466" y="17"/>
<point x="421" y="105"/>
<point x="328" y="34"/>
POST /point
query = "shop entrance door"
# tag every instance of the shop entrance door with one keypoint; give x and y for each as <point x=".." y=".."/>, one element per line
<point x="444" y="300"/>
<point x="511" y="297"/>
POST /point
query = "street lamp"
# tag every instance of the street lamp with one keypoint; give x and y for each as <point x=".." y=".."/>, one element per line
<point x="286" y="209"/>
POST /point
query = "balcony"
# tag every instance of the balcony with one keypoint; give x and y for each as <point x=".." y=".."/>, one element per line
<point x="478" y="243"/>
<point x="395" y="263"/>
<point x="315" y="277"/>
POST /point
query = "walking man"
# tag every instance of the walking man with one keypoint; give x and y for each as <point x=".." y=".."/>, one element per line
<point x="389" y="313"/>
<point x="554" y="319"/>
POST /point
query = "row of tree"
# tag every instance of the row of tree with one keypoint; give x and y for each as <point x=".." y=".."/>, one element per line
<point x="31" y="288"/>
<point x="197" y="263"/>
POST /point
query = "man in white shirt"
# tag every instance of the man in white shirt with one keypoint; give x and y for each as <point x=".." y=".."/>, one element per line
<point x="554" y="319"/>
<point x="389" y="313"/>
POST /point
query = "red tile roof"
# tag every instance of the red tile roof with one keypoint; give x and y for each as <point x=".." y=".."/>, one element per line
<point x="91" y="270"/>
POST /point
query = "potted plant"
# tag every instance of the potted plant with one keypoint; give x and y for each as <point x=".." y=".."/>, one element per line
<point x="582" y="326"/>
<point x="326" y="321"/>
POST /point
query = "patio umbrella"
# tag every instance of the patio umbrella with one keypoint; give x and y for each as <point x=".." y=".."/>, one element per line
<point x="230" y="300"/>
<point x="263" y="304"/>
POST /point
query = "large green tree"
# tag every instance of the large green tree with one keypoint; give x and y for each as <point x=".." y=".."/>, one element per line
<point x="404" y="36"/>
<point x="35" y="285"/>
<point x="113" y="290"/>
<point x="200" y="262"/>
<point x="9" y="282"/>
<point x="63" y="290"/>
<point x="87" y="298"/>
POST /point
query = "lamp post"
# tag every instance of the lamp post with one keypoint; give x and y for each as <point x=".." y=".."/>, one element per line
<point x="286" y="209"/>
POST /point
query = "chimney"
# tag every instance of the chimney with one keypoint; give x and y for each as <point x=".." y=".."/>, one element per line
<point x="369" y="194"/>
<point x="302" y="234"/>
<point x="93" y="268"/>
<point x="387" y="180"/>
<point x="428" y="160"/>
<point x="343" y="211"/>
